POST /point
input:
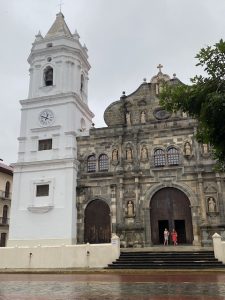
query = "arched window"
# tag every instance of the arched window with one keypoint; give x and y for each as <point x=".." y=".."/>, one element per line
<point x="82" y="124"/>
<point x="91" y="163"/>
<point x="172" y="156"/>
<point x="81" y="82"/>
<point x="7" y="189"/>
<point x="159" y="158"/>
<point x="103" y="162"/>
<point x="48" y="76"/>
<point x="5" y="214"/>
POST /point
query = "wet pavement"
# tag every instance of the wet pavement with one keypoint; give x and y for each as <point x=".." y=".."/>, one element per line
<point x="149" y="285"/>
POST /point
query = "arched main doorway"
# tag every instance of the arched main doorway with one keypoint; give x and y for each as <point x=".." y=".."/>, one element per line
<point x="97" y="227"/>
<point x="170" y="208"/>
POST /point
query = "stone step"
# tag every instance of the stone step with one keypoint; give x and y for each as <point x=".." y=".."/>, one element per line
<point x="166" y="260"/>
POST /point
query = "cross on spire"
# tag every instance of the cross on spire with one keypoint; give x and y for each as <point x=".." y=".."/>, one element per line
<point x="60" y="5"/>
<point x="160" y="68"/>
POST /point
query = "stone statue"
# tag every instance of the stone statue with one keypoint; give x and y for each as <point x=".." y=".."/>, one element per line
<point x="144" y="153"/>
<point x="115" y="155"/>
<point x="129" y="154"/>
<point x="187" y="149"/>
<point x="128" y="119"/>
<point x="130" y="209"/>
<point x="211" y="204"/>
<point x="205" y="148"/>
<point x="143" y="117"/>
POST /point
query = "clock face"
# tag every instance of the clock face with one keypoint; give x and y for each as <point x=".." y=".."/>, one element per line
<point x="46" y="117"/>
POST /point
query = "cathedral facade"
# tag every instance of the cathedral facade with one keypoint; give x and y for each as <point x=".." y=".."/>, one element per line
<point x="145" y="172"/>
<point x="74" y="183"/>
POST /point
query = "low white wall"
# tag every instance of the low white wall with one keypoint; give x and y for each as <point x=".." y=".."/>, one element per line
<point x="64" y="256"/>
<point x="219" y="247"/>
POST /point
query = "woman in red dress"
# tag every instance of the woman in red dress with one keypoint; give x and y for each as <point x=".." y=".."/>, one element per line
<point x="174" y="237"/>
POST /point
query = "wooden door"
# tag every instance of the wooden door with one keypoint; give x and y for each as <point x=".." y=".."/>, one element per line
<point x="97" y="223"/>
<point x="171" y="206"/>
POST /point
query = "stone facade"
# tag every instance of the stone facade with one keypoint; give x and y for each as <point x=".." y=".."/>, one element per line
<point x="148" y="150"/>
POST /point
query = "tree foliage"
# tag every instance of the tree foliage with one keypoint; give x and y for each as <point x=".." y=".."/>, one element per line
<point x="204" y="99"/>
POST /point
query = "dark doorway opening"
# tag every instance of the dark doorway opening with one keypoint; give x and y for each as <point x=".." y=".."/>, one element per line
<point x="162" y="225"/>
<point x="97" y="222"/>
<point x="179" y="226"/>
<point x="3" y="240"/>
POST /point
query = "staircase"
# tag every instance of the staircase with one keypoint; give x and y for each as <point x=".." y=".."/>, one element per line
<point x="201" y="259"/>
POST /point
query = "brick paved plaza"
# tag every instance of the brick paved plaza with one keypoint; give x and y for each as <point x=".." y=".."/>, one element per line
<point x="149" y="285"/>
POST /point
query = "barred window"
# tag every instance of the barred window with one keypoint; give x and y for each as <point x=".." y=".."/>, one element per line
<point x="103" y="162"/>
<point x="159" y="158"/>
<point x="173" y="156"/>
<point x="91" y="163"/>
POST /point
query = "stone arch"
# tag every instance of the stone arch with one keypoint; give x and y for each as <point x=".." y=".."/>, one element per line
<point x="107" y="201"/>
<point x="182" y="187"/>
<point x="193" y="207"/>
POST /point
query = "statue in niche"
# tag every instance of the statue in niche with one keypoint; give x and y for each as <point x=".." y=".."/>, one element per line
<point x="129" y="154"/>
<point x="211" y="204"/>
<point x="130" y="209"/>
<point x="143" y="117"/>
<point x="187" y="149"/>
<point x="115" y="155"/>
<point x="128" y="118"/>
<point x="144" y="153"/>
<point x="205" y="148"/>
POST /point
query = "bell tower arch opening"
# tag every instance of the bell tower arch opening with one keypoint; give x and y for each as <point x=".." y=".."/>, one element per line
<point x="170" y="208"/>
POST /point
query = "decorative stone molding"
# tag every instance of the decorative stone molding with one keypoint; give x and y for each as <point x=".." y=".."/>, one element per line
<point x="40" y="209"/>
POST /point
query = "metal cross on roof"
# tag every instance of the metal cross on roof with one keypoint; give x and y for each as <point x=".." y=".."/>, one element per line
<point x="60" y="5"/>
<point x="160" y="67"/>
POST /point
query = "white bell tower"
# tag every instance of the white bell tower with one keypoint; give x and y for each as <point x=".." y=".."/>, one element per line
<point x="44" y="189"/>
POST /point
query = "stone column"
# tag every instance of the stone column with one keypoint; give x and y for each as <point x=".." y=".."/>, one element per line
<point x="196" y="230"/>
<point x="220" y="198"/>
<point x="119" y="211"/>
<point x="147" y="226"/>
<point x="202" y="198"/>
<point x="113" y="208"/>
<point x="137" y="202"/>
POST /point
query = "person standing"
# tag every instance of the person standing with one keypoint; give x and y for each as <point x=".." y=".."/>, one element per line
<point x="166" y="236"/>
<point x="174" y="237"/>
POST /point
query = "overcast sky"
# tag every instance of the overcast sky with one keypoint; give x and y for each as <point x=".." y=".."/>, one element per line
<point x="126" y="40"/>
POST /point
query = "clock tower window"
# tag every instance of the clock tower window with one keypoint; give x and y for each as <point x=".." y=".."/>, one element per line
<point x="45" y="144"/>
<point x="48" y="76"/>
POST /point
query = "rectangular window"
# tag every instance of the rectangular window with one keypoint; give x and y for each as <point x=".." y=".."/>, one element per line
<point x="42" y="190"/>
<point x="44" y="144"/>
